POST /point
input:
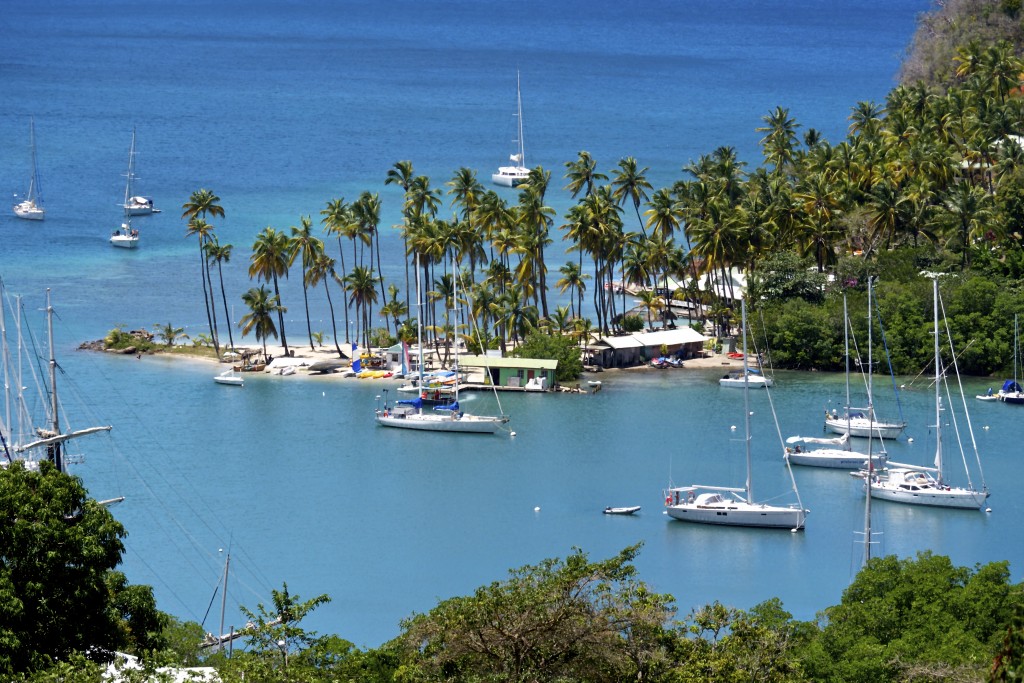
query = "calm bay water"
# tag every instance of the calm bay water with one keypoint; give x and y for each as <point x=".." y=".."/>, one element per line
<point x="280" y="107"/>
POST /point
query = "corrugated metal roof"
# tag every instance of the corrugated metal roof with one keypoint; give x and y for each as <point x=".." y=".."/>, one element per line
<point x="525" y="363"/>
<point x="680" y="335"/>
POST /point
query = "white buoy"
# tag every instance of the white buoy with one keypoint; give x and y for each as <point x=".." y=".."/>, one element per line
<point x="988" y="509"/>
<point x="537" y="509"/>
<point x="511" y="433"/>
<point x="910" y="440"/>
<point x="985" y="427"/>
<point x="732" y="428"/>
<point x="323" y="393"/>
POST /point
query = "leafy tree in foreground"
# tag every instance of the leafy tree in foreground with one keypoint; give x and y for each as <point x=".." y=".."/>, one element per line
<point x="59" y="593"/>
<point x="561" y="620"/>
<point x="562" y="349"/>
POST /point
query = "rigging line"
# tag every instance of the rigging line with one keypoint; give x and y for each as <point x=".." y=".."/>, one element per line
<point x="888" y="361"/>
<point x="963" y="398"/>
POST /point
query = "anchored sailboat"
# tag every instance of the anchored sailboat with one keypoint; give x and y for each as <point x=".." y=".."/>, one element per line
<point x="916" y="485"/>
<point x="31" y="208"/>
<point x="517" y="173"/>
<point x="703" y="504"/>
<point x="126" y="236"/>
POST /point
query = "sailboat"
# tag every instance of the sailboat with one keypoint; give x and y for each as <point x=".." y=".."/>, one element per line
<point x="135" y="205"/>
<point x="837" y="453"/>
<point x="408" y="414"/>
<point x="517" y="173"/>
<point x="863" y="421"/>
<point x="23" y="437"/>
<point x="126" y="237"/>
<point x="1011" y="391"/>
<point x="31" y="208"/>
<point x="915" y="485"/>
<point x="703" y="504"/>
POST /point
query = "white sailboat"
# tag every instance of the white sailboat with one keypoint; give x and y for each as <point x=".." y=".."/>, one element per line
<point x="1011" y="391"/>
<point x="135" y="205"/>
<point x="31" y="207"/>
<point x="449" y="417"/>
<point x="838" y="453"/>
<point x="863" y="421"/>
<point x="517" y="173"/>
<point x="915" y="485"/>
<point x="24" y="437"/>
<point x="725" y="506"/>
<point x="127" y="237"/>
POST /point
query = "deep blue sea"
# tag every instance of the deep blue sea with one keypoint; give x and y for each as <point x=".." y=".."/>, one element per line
<point x="281" y="106"/>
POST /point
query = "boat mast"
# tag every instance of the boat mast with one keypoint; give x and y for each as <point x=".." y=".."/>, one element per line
<point x="224" y="597"/>
<point x="56" y="457"/>
<point x="938" y="378"/>
<point x="131" y="172"/>
<point x="746" y="398"/>
<point x="419" y="326"/>
<point x="34" y="191"/>
<point x="519" y="118"/>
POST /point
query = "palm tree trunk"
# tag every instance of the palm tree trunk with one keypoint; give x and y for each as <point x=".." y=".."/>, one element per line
<point x="344" y="274"/>
<point x="334" y="324"/>
<point x="206" y="296"/>
<point x="305" y="301"/>
<point x="224" y="299"/>
<point x="280" y="316"/>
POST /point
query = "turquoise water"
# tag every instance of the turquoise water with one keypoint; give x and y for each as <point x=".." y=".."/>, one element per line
<point x="279" y="107"/>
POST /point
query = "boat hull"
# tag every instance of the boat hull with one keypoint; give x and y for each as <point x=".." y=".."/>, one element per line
<point x="510" y="178"/>
<point x="963" y="499"/>
<point x="864" y="428"/>
<point x="471" y="424"/>
<point x="738" y="383"/>
<point x="29" y="211"/>
<point x="124" y="241"/>
<point x="735" y="513"/>
<point x="835" y="458"/>
<point x="230" y="381"/>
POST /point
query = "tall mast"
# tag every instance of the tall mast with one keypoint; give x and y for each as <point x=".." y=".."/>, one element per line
<point x="746" y="399"/>
<point x="419" y="324"/>
<point x="130" y="174"/>
<point x="519" y="116"/>
<point x="224" y="597"/>
<point x="55" y="449"/>
<point x="938" y="377"/>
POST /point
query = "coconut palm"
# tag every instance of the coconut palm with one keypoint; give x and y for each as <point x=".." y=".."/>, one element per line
<point x="780" y="138"/>
<point x="204" y="233"/>
<point x="303" y="244"/>
<point x="401" y="174"/>
<point x="573" y="280"/>
<point x="221" y="254"/>
<point x="582" y="174"/>
<point x="338" y="221"/>
<point x="631" y="183"/>
<point x="170" y="334"/>
<point x="322" y="270"/>
<point x="366" y="211"/>
<point x="361" y="285"/>
<point x="269" y="262"/>
<point x="262" y="305"/>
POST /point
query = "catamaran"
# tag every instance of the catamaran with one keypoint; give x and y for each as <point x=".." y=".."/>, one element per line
<point x="517" y="173"/>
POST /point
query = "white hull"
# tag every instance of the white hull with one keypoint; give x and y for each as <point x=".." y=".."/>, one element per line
<point x="124" y="241"/>
<point x="738" y="513"/>
<point x="229" y="378"/>
<point x="953" y="498"/>
<point x="29" y="211"/>
<point x="510" y="176"/>
<point x="442" y="423"/>
<point x="836" y="458"/>
<point x="755" y="381"/>
<point x="863" y="427"/>
<point x="139" y="210"/>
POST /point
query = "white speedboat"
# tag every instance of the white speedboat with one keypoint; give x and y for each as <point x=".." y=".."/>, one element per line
<point x="621" y="511"/>
<point x="230" y="378"/>
<point x="740" y="380"/>
<point x="31" y="207"/>
<point x="517" y="173"/>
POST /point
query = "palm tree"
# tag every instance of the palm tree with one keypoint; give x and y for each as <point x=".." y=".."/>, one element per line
<point x="780" y="138"/>
<point x="651" y="301"/>
<point x="573" y="279"/>
<point x="338" y="221"/>
<point x="221" y="254"/>
<point x="361" y="286"/>
<point x="262" y="305"/>
<point x="969" y="209"/>
<point x="366" y="211"/>
<point x="304" y="244"/>
<point x="582" y="174"/>
<point x="170" y="334"/>
<point x="401" y="174"/>
<point x="270" y="259"/>
<point x="204" y="232"/>
<point x="631" y="183"/>
<point x="322" y="270"/>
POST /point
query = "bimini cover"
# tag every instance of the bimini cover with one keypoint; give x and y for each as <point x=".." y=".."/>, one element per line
<point x="454" y="406"/>
<point x="414" y="402"/>
<point x="1010" y="386"/>
<point x="708" y="499"/>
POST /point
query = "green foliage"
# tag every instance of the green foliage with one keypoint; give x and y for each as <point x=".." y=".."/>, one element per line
<point x="562" y="349"/>
<point x="914" y="615"/>
<point x="784" y="275"/>
<point x="802" y="335"/>
<point x="631" y="323"/>
<point x="381" y="338"/>
<point x="560" y="620"/>
<point x="59" y="593"/>
<point x="119" y="340"/>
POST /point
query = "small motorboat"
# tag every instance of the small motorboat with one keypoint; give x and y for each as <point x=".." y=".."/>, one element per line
<point x="987" y="397"/>
<point x="594" y="382"/>
<point x="621" y="511"/>
<point x="230" y="378"/>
